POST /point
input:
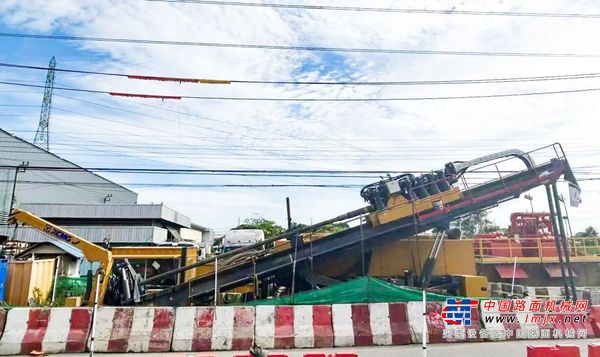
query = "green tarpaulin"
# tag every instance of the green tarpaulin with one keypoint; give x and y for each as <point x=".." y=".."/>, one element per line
<point x="361" y="290"/>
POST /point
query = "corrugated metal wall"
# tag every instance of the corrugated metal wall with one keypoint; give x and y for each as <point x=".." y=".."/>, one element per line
<point x="146" y="211"/>
<point x="115" y="234"/>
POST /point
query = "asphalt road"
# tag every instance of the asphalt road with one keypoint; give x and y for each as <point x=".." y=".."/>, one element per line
<point x="474" y="349"/>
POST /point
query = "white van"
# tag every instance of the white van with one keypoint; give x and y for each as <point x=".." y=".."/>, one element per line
<point x="237" y="238"/>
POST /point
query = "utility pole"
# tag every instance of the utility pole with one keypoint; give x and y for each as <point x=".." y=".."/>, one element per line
<point x="289" y="215"/>
<point x="21" y="168"/>
<point x="530" y="199"/>
<point x="42" y="136"/>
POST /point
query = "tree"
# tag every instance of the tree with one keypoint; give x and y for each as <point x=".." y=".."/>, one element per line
<point x="296" y="225"/>
<point x="333" y="228"/>
<point x="476" y="223"/>
<point x="588" y="232"/>
<point x="270" y="228"/>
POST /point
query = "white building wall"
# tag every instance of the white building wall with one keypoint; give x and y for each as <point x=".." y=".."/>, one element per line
<point x="191" y="234"/>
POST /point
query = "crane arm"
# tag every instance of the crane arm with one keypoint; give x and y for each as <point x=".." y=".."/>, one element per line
<point x="92" y="252"/>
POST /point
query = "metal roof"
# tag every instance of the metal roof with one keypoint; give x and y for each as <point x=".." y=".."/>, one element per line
<point x="69" y="249"/>
<point x="199" y="227"/>
<point x="45" y="152"/>
<point x="108" y="211"/>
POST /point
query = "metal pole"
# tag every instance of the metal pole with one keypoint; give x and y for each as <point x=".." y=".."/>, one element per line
<point x="55" y="279"/>
<point x="566" y="217"/>
<point x="216" y="286"/>
<point x="563" y="240"/>
<point x="294" y="265"/>
<point x="362" y="246"/>
<point x="99" y="277"/>
<point x="289" y="216"/>
<point x="424" y="331"/>
<point x="14" y="189"/>
<point x="512" y="285"/>
<point x="556" y="240"/>
<point x="254" y="278"/>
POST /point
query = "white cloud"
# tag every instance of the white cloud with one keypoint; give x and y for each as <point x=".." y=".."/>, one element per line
<point x="382" y="135"/>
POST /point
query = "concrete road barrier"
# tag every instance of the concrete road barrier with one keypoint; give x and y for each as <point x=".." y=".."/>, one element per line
<point x="134" y="329"/>
<point x="371" y="324"/>
<point x="213" y="328"/>
<point x="53" y="330"/>
<point x="274" y="326"/>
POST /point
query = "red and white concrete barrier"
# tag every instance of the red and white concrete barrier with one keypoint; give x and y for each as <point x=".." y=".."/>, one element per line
<point x="3" y="313"/>
<point x="594" y="320"/>
<point x="313" y="326"/>
<point x="300" y="326"/>
<point x="211" y="329"/>
<point x="370" y="324"/>
<point x="54" y="330"/>
<point x="134" y="329"/>
<point x="274" y="326"/>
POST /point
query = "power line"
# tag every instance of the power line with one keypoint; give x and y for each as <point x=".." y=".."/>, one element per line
<point x="175" y="171"/>
<point x="260" y="99"/>
<point x="296" y="48"/>
<point x="384" y="10"/>
<point x="576" y="141"/>
<point x="146" y="184"/>
<point x="284" y="82"/>
<point x="258" y="172"/>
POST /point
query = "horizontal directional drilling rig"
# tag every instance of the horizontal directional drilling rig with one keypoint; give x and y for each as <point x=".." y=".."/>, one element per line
<point x="399" y="208"/>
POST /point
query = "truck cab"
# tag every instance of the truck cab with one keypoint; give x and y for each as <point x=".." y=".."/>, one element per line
<point x="237" y="238"/>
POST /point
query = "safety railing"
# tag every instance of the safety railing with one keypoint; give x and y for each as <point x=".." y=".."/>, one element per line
<point x="501" y="169"/>
<point x="541" y="249"/>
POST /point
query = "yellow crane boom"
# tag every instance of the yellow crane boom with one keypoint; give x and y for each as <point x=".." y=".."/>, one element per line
<point x="91" y="251"/>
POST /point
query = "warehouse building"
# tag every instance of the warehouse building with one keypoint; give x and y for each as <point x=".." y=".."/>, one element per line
<point x="81" y="201"/>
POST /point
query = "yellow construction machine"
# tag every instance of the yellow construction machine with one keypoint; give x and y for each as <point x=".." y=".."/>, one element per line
<point x="118" y="277"/>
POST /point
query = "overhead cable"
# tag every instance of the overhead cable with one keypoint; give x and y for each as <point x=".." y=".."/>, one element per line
<point x="275" y="99"/>
<point x="287" y="82"/>
<point x="294" y="48"/>
<point x="382" y="9"/>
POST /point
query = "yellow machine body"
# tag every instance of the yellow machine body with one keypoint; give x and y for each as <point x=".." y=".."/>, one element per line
<point x="474" y="286"/>
<point x="399" y="207"/>
<point x="455" y="257"/>
<point x="121" y="253"/>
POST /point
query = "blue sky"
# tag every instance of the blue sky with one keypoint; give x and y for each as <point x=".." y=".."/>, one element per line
<point x="98" y="130"/>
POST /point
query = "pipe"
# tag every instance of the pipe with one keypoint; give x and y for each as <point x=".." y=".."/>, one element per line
<point x="512" y="285"/>
<point x="289" y="215"/>
<point x="563" y="240"/>
<point x="95" y="313"/>
<point x="55" y="279"/>
<point x="424" y="330"/>
<point x="216" y="282"/>
<point x="344" y="216"/>
<point x="556" y="240"/>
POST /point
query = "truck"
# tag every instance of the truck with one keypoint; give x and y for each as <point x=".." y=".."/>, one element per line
<point x="238" y="238"/>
